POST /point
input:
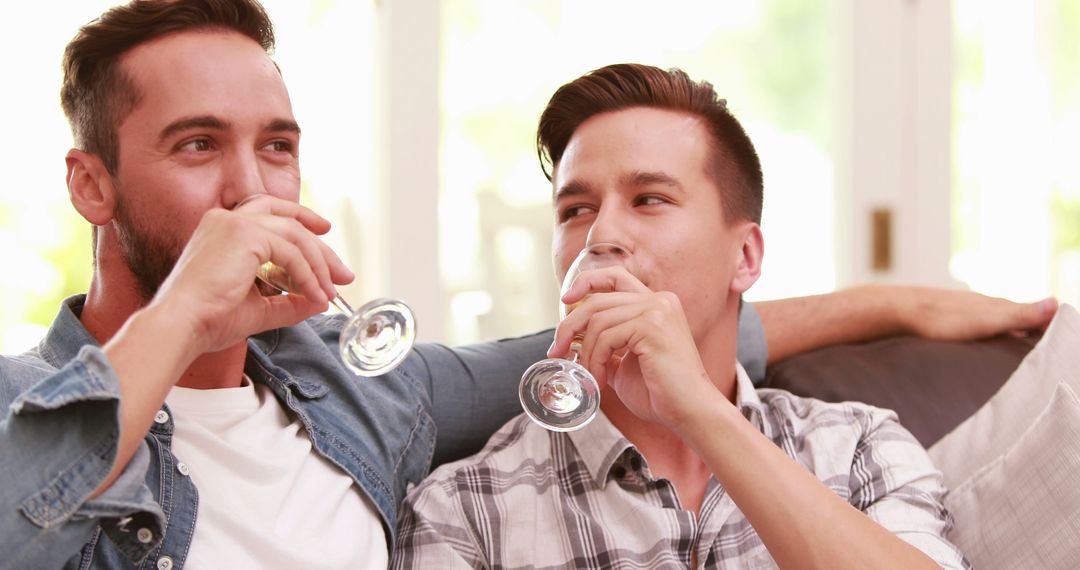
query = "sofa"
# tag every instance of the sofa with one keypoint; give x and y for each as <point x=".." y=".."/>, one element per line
<point x="1000" y="418"/>
<point x="931" y="385"/>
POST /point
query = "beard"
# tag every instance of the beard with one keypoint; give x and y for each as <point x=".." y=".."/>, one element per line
<point x="150" y="257"/>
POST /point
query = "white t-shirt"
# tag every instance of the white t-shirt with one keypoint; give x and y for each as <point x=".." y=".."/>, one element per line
<point x="266" y="498"/>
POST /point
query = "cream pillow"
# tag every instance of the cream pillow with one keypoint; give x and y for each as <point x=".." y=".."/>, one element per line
<point x="1014" y="466"/>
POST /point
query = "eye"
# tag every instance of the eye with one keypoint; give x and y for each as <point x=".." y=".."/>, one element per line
<point x="573" y="211"/>
<point x="197" y="145"/>
<point x="650" y="200"/>
<point x="280" y="146"/>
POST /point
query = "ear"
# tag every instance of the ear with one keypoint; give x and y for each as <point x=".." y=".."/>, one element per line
<point x="752" y="251"/>
<point x="90" y="187"/>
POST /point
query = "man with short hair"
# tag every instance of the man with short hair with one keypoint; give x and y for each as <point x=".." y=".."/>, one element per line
<point x="173" y="415"/>
<point x="149" y="428"/>
<point x="687" y="464"/>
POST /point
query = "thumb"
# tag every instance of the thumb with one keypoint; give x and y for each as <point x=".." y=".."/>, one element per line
<point x="1037" y="315"/>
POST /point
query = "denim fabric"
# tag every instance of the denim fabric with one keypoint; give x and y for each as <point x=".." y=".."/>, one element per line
<point x="58" y="437"/>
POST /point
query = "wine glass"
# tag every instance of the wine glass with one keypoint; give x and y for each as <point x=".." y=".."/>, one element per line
<point x="376" y="337"/>
<point x="560" y="394"/>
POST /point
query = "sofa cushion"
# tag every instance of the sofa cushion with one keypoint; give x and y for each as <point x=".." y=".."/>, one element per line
<point x="1013" y="466"/>
<point x="932" y="385"/>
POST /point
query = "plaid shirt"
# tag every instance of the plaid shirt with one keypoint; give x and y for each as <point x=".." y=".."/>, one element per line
<point x="586" y="499"/>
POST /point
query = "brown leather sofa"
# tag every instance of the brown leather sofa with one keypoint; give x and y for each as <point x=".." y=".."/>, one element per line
<point x="932" y="385"/>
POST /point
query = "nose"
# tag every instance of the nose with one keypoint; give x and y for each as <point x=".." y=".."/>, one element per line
<point x="242" y="179"/>
<point x="610" y="228"/>
<point x="604" y="255"/>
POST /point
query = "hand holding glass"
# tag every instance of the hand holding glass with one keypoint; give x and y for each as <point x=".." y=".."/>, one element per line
<point x="375" y="338"/>
<point x="560" y="394"/>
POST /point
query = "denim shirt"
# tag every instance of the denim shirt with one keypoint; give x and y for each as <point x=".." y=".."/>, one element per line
<point x="59" y="436"/>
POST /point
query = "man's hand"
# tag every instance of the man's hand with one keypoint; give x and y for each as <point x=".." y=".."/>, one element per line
<point x="212" y="286"/>
<point x="637" y="340"/>
<point x="948" y="314"/>
<point x="796" y="325"/>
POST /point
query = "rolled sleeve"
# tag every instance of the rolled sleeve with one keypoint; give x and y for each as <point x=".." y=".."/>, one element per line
<point x="900" y="489"/>
<point x="58" y="442"/>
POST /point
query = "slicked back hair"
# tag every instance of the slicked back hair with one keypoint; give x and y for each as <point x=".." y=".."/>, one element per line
<point x="733" y="164"/>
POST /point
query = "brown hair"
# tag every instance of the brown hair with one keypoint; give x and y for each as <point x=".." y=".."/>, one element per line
<point x="97" y="95"/>
<point x="734" y="167"/>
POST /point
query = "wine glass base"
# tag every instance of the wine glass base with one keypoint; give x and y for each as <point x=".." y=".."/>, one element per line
<point x="559" y="395"/>
<point x="377" y="337"/>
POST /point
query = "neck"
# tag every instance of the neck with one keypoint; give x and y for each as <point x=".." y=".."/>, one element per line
<point x="113" y="298"/>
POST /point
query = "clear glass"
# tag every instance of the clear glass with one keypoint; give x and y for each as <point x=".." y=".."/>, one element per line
<point x="557" y="393"/>
<point x="376" y="337"/>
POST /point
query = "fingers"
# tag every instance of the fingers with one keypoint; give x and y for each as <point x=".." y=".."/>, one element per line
<point x="308" y="275"/>
<point x="579" y="319"/>
<point x="286" y="310"/>
<point x="297" y="224"/>
<point x="610" y="335"/>
<point x="267" y="204"/>
<point x="605" y="280"/>
<point x="611" y="325"/>
<point x="614" y="278"/>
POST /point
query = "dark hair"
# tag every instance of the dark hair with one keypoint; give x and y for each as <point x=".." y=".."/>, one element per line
<point x="734" y="166"/>
<point x="97" y="95"/>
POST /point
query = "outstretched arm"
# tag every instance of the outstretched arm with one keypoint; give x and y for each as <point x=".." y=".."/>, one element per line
<point x="867" y="312"/>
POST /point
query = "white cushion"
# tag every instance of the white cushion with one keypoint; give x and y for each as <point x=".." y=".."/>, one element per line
<point x="1014" y="466"/>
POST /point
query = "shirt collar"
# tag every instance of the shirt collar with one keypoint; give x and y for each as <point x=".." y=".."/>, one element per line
<point x="747" y="399"/>
<point x="66" y="335"/>
<point x="600" y="444"/>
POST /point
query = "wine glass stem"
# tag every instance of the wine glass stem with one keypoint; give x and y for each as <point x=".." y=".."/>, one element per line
<point x="342" y="305"/>
<point x="575" y="350"/>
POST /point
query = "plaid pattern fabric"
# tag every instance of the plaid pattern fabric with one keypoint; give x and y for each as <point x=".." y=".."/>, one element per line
<point x="586" y="499"/>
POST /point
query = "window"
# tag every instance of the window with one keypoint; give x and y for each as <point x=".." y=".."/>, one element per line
<point x="326" y="57"/>
<point x="771" y="59"/>
<point x="1016" y="204"/>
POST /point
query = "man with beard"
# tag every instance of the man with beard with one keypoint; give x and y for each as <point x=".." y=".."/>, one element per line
<point x="173" y="415"/>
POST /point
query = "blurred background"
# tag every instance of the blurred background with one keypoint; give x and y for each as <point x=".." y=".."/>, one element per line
<point x="911" y="141"/>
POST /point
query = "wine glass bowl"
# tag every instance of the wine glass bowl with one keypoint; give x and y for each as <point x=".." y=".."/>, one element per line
<point x="561" y="394"/>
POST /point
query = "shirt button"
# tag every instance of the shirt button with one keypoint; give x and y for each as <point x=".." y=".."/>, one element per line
<point x="144" y="535"/>
<point x="183" y="468"/>
<point x="161" y="417"/>
<point x="164" y="563"/>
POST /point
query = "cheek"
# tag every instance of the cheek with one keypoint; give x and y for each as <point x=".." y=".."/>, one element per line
<point x="284" y="183"/>
<point x="564" y="248"/>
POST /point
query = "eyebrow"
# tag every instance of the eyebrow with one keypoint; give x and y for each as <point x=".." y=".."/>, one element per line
<point x="644" y="178"/>
<point x="635" y="179"/>
<point x="283" y="126"/>
<point x="201" y="122"/>
<point x="214" y="123"/>
<point x="571" y="188"/>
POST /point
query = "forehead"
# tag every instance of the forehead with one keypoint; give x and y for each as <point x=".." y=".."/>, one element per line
<point x="639" y="138"/>
<point x="184" y="72"/>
